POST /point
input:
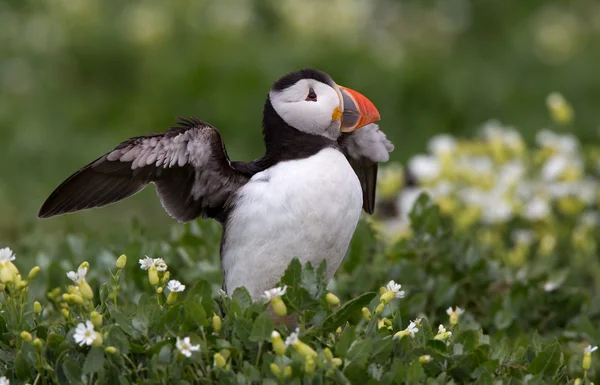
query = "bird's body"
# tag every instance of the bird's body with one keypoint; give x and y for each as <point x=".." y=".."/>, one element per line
<point x="302" y="199"/>
<point x="313" y="206"/>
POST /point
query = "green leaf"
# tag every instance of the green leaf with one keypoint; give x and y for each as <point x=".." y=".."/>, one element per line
<point x="469" y="339"/>
<point x="242" y="296"/>
<point x="415" y="373"/>
<point x="117" y="338"/>
<point x="343" y="344"/>
<point x="359" y="351"/>
<point x="503" y="319"/>
<point x="194" y="312"/>
<point x="94" y="361"/>
<point x="124" y="322"/>
<point x="293" y="274"/>
<point x="72" y="370"/>
<point x="548" y="361"/>
<point x="22" y="366"/>
<point x="262" y="328"/>
<point x="344" y="313"/>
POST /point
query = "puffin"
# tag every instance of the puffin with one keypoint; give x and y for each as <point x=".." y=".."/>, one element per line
<point x="302" y="199"/>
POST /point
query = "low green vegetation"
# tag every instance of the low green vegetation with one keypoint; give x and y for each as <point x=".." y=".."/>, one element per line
<point x="460" y="316"/>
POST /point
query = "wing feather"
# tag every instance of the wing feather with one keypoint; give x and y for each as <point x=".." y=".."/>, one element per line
<point x="188" y="164"/>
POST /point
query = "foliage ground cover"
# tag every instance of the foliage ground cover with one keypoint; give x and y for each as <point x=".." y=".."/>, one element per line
<point x="492" y="280"/>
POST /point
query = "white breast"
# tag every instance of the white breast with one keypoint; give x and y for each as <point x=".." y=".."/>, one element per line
<point x="305" y="208"/>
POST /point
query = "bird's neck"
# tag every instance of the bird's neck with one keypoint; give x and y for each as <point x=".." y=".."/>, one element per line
<point x="284" y="142"/>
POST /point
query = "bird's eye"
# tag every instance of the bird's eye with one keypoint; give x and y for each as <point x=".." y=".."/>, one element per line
<point x="312" y="96"/>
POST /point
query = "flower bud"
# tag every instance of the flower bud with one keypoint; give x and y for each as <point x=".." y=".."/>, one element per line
<point x="442" y="336"/>
<point x="97" y="341"/>
<point x="287" y="371"/>
<point x="33" y="273"/>
<point x="337" y="362"/>
<point x="6" y="275"/>
<point x="37" y="307"/>
<point x="111" y="350"/>
<point x="153" y="276"/>
<point x="121" y="261"/>
<point x="85" y="289"/>
<point x="159" y="290"/>
<point x="332" y="299"/>
<point x="96" y="319"/>
<point x="379" y="308"/>
<point x="172" y="298"/>
<point x="165" y="277"/>
<point x="587" y="361"/>
<point x="216" y="323"/>
<point x="54" y="293"/>
<point x="304" y="350"/>
<point x="65" y="313"/>
<point x="328" y="354"/>
<point x="72" y="289"/>
<point x="279" y="307"/>
<point x="38" y="344"/>
<point x="382" y="290"/>
<point x="76" y="299"/>
<point x="425" y="359"/>
<point x="84" y="265"/>
<point x="26" y="336"/>
<point x="387" y="297"/>
<point x="338" y="330"/>
<point x="309" y="366"/>
<point x="577" y="381"/>
<point x="278" y="344"/>
<point x="275" y="369"/>
<point x="401" y="334"/>
<point x="366" y="313"/>
<point x="220" y="361"/>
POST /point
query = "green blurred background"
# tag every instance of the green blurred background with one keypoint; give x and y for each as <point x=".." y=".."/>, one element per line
<point x="79" y="76"/>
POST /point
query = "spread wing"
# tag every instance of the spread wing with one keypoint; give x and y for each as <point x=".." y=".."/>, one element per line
<point x="188" y="165"/>
<point x="364" y="149"/>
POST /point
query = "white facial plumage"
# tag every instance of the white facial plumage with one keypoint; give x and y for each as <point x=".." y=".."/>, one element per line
<point x="311" y="117"/>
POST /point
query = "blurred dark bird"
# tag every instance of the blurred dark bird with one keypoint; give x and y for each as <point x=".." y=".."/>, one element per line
<point x="302" y="199"/>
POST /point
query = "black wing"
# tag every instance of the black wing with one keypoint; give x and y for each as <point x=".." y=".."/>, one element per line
<point x="364" y="149"/>
<point x="188" y="164"/>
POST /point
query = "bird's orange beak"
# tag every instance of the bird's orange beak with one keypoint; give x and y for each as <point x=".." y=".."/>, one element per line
<point x="358" y="111"/>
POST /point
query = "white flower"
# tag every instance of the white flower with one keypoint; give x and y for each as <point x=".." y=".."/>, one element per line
<point x="160" y="264"/>
<point x="395" y="287"/>
<point x="185" y="346"/>
<point x="84" y="333"/>
<point x="424" y="167"/>
<point x="441" y="329"/>
<point x="425" y="359"/>
<point x="146" y="263"/>
<point x="559" y="143"/>
<point x="412" y="329"/>
<point x="175" y="286"/>
<point x="79" y="276"/>
<point x="441" y="144"/>
<point x="275" y="334"/>
<point x="292" y="338"/>
<point x="276" y="292"/>
<point x="538" y="208"/>
<point x="551" y="286"/>
<point x="450" y="310"/>
<point x="590" y="349"/>
<point x="523" y="236"/>
<point x="4" y="381"/>
<point x="6" y="255"/>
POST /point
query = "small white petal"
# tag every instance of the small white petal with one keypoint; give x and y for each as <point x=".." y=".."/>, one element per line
<point x="73" y="276"/>
<point x="6" y="255"/>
